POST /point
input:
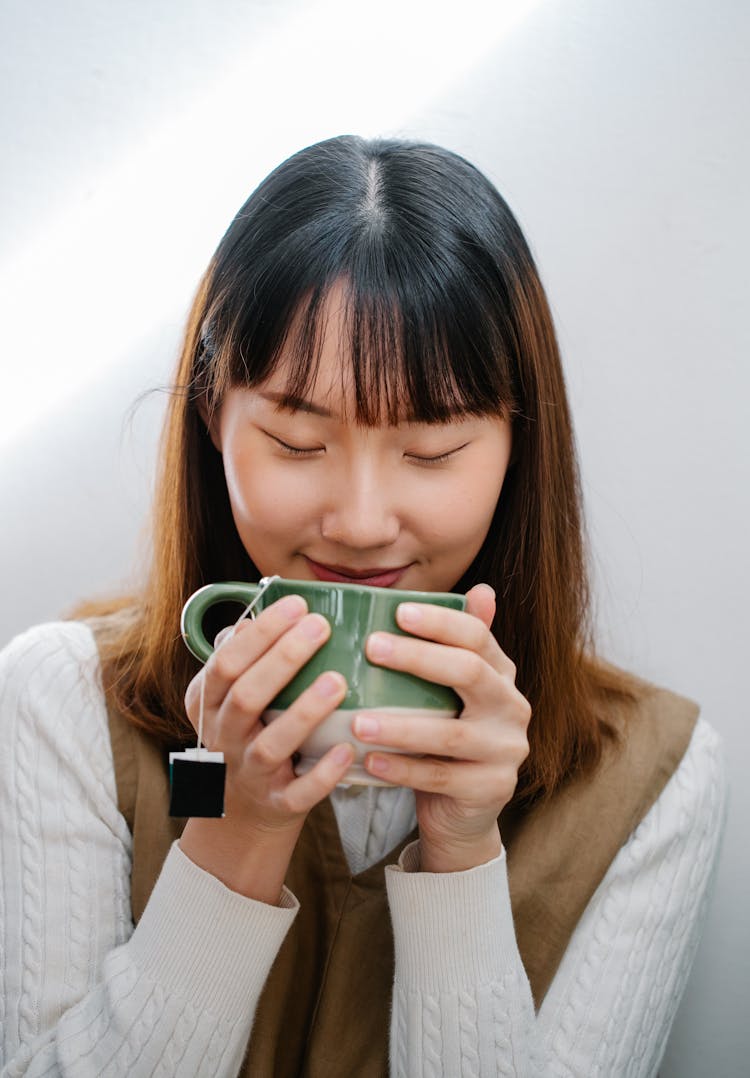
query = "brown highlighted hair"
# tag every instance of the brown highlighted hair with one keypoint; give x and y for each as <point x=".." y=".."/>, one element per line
<point x="446" y="314"/>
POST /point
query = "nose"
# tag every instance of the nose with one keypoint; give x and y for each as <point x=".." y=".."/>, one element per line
<point x="362" y="513"/>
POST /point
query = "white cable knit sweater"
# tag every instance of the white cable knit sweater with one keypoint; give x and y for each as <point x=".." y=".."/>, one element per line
<point x="82" y="993"/>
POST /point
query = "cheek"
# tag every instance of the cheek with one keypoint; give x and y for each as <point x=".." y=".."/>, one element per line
<point x="464" y="508"/>
<point x="265" y="498"/>
<point x="483" y="483"/>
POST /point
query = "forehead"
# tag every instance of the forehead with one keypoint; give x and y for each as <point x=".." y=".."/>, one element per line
<point x="328" y="385"/>
<point x="326" y="343"/>
<point x="359" y="358"/>
<point x="331" y="395"/>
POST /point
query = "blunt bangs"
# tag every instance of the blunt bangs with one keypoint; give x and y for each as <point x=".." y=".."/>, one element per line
<point x="427" y="317"/>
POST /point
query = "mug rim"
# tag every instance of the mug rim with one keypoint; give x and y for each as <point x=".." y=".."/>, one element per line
<point x="369" y="588"/>
<point x="383" y="598"/>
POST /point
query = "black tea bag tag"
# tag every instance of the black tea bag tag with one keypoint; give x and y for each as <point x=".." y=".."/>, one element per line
<point x="196" y="783"/>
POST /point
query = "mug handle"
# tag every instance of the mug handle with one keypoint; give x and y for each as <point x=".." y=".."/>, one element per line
<point x="194" y="610"/>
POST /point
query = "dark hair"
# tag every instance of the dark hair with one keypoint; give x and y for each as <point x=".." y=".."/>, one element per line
<point x="445" y="313"/>
<point x="423" y="244"/>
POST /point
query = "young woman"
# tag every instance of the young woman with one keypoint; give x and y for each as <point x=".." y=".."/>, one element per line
<point x="369" y="389"/>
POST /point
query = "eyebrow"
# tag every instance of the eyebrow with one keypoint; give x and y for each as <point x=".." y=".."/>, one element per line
<point x="296" y="404"/>
<point x="290" y="403"/>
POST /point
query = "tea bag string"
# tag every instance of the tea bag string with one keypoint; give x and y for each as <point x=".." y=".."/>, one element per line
<point x="263" y="586"/>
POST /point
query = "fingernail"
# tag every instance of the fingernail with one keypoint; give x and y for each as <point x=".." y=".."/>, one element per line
<point x="366" y="726"/>
<point x="222" y="636"/>
<point x="291" y="606"/>
<point x="409" y="614"/>
<point x="315" y="628"/>
<point x="343" y="754"/>
<point x="379" y="764"/>
<point x="329" y="684"/>
<point x="379" y="646"/>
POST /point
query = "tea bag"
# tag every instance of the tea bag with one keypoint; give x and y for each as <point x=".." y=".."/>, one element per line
<point x="196" y="783"/>
<point x="197" y="776"/>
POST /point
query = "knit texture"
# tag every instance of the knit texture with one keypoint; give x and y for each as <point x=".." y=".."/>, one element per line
<point x="83" y="993"/>
<point x="372" y="820"/>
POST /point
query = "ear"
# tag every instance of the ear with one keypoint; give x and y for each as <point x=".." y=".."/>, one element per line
<point x="210" y="417"/>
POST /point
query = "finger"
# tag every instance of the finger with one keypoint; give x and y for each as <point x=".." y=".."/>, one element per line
<point x="247" y="642"/>
<point x="457" y="628"/>
<point x="480" y="601"/>
<point x="252" y="692"/>
<point x="301" y="794"/>
<point x="224" y="635"/>
<point x="434" y="736"/>
<point x="280" y="739"/>
<point x="463" y="669"/>
<point x="472" y="782"/>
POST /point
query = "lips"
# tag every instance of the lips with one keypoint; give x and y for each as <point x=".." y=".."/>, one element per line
<point x="375" y="577"/>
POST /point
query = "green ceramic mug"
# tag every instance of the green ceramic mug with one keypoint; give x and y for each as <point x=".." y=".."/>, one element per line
<point x="353" y="611"/>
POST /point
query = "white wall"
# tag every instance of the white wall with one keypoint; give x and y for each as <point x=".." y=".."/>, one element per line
<point x="618" y="133"/>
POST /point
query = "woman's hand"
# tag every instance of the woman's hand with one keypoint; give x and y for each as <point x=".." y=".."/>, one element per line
<point x="265" y="804"/>
<point x="469" y="769"/>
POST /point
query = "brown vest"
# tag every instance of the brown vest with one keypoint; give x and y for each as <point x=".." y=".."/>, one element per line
<point x="324" y="1010"/>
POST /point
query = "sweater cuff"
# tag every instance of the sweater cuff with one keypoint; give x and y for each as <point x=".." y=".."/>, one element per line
<point x="206" y="943"/>
<point x="450" y="929"/>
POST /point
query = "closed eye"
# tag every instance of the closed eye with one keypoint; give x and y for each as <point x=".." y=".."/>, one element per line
<point x="294" y="450"/>
<point x="441" y="458"/>
<point x="305" y="451"/>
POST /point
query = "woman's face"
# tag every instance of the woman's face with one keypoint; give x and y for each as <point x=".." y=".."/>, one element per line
<point x="316" y="497"/>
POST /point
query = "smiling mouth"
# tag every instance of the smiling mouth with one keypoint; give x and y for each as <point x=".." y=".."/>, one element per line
<point x="378" y="577"/>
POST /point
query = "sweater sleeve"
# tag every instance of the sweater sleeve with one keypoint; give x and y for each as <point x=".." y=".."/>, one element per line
<point x="462" y="1003"/>
<point x="81" y="992"/>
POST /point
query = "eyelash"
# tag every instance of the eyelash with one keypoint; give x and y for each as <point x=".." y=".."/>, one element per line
<point x="441" y="458"/>
<point x="292" y="450"/>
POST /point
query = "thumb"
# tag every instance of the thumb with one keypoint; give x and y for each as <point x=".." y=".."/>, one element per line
<point x="480" y="601"/>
